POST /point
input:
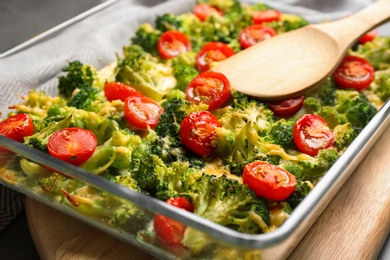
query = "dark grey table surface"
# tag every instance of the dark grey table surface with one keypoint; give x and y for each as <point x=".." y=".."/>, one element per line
<point x="21" y="20"/>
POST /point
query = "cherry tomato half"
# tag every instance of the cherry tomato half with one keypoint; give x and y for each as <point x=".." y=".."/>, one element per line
<point x="269" y="181"/>
<point x="169" y="231"/>
<point x="265" y="16"/>
<point x="212" y="52"/>
<point x="202" y="11"/>
<point x="119" y="91"/>
<point x="311" y="134"/>
<point x="255" y="33"/>
<point x="368" y="36"/>
<point x="181" y="202"/>
<point x="141" y="111"/>
<point x="197" y="132"/>
<point x="172" y="43"/>
<point x="211" y="88"/>
<point x="354" y="72"/>
<point x="286" y="108"/>
<point x="16" y="128"/>
<point x="73" y="145"/>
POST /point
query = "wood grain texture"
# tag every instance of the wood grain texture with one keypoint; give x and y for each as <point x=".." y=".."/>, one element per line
<point x="59" y="236"/>
<point x="353" y="226"/>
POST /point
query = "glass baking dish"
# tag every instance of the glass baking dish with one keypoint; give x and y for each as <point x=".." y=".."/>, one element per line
<point x="95" y="37"/>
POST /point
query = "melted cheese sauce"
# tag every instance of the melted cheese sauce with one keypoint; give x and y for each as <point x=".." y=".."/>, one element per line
<point x="217" y="168"/>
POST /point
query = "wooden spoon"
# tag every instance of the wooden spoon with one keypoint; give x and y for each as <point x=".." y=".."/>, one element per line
<point x="292" y="63"/>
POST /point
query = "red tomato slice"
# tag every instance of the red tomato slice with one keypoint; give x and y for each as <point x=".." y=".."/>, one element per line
<point x="368" y="36"/>
<point x="211" y="88"/>
<point x="255" y="33"/>
<point x="202" y="11"/>
<point x="182" y="203"/>
<point x="119" y="91"/>
<point x="197" y="132"/>
<point x="311" y="134"/>
<point x="141" y="111"/>
<point x="72" y="145"/>
<point x="16" y="128"/>
<point x="286" y="108"/>
<point x="172" y="43"/>
<point x="354" y="72"/>
<point x="269" y="181"/>
<point x="266" y="16"/>
<point x="212" y="52"/>
<point x="169" y="231"/>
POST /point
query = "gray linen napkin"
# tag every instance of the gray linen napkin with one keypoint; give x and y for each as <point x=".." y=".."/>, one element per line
<point x="11" y="205"/>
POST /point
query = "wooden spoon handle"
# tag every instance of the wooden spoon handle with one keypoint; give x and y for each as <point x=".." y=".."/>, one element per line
<point x="348" y="30"/>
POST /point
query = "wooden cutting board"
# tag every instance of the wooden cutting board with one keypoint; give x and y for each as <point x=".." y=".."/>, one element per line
<point x="354" y="225"/>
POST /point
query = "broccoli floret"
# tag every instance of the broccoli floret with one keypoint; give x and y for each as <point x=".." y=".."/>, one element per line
<point x="301" y="191"/>
<point x="312" y="105"/>
<point x="226" y="202"/>
<point x="147" y="37"/>
<point x="101" y="126"/>
<point x="168" y="22"/>
<point x="145" y="176"/>
<point x="355" y="106"/>
<point x="187" y="58"/>
<point x="160" y="174"/>
<point x="325" y="93"/>
<point x="130" y="217"/>
<point x="167" y="167"/>
<point x="247" y="110"/>
<point x="258" y="7"/>
<point x="53" y="183"/>
<point x="117" y="152"/>
<point x="381" y="85"/>
<point x="288" y="22"/>
<point x="78" y="76"/>
<point x="88" y="98"/>
<point x="247" y="147"/>
<point x="157" y="179"/>
<point x="184" y="74"/>
<point x="170" y="150"/>
<point x="377" y="52"/>
<point x="124" y="178"/>
<point x="81" y="87"/>
<point x="242" y="138"/>
<point x="331" y="116"/>
<point x="312" y="170"/>
<point x="344" y="135"/>
<point x="145" y="73"/>
<point x="56" y="113"/>
<point x="111" y="209"/>
<point x="215" y="29"/>
<point x="339" y="106"/>
<point x="281" y="133"/>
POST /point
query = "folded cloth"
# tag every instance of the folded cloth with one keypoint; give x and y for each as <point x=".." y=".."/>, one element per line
<point x="11" y="205"/>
